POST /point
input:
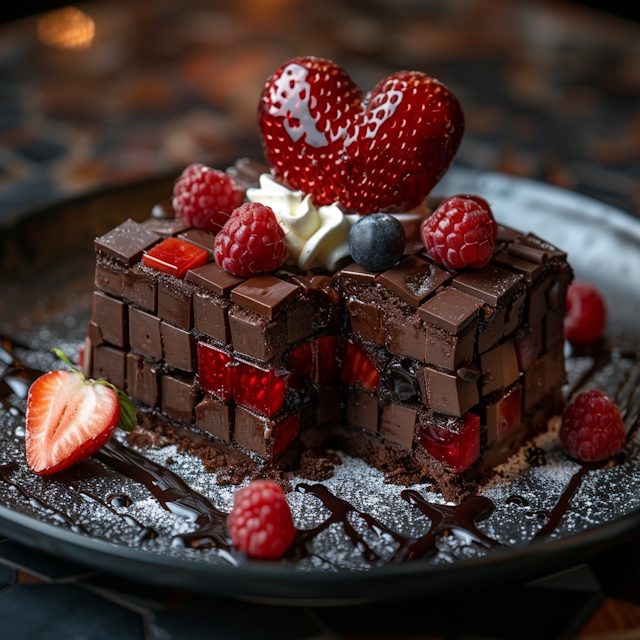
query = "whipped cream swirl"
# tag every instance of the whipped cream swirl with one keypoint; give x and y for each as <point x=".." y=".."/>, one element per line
<point x="317" y="236"/>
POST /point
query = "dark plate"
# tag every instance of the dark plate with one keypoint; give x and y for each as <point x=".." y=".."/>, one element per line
<point x="46" y="280"/>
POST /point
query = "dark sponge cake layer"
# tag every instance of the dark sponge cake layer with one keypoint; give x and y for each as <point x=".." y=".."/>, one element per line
<point x="424" y="372"/>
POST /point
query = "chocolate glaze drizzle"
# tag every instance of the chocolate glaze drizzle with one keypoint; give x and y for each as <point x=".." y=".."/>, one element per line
<point x="175" y="495"/>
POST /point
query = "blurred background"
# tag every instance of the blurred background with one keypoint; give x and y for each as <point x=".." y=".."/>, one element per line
<point x="109" y="92"/>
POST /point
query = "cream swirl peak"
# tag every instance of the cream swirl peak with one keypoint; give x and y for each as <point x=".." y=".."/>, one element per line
<point x="318" y="236"/>
<point x="315" y="236"/>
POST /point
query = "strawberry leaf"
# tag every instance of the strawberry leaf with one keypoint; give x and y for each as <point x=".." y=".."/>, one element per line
<point x="128" y="419"/>
<point x="63" y="356"/>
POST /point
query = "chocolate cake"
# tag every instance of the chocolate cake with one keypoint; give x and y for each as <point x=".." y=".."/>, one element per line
<point x="423" y="371"/>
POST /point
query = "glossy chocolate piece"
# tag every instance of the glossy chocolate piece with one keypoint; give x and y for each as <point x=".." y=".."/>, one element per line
<point x="95" y="335"/>
<point x="504" y="415"/>
<point x="264" y="295"/>
<point x="444" y="349"/>
<point x="166" y="227"/>
<point x="491" y="328"/>
<point x="490" y="284"/>
<point x="529" y="345"/>
<point x="212" y="278"/>
<point x="414" y="280"/>
<point x="178" y="397"/>
<point x="247" y="172"/>
<point x="255" y="336"/>
<point x="538" y="303"/>
<point x="515" y="314"/>
<point x="449" y="394"/>
<point x="401" y="381"/>
<point x="367" y="320"/>
<point x="405" y="336"/>
<point x="126" y="242"/>
<point x="163" y="211"/>
<point x="215" y="418"/>
<point x="507" y="234"/>
<point x="175" y="302"/>
<point x="109" y="362"/>
<point x="499" y="367"/>
<point x="535" y="387"/>
<point x="211" y="316"/>
<point x="109" y="280"/>
<point x="398" y="424"/>
<point x="529" y="270"/>
<point x="253" y="432"/>
<point x="469" y="372"/>
<point x="203" y="239"/>
<point x="140" y="288"/>
<point x="554" y="374"/>
<point x="362" y="410"/>
<point x="142" y="380"/>
<point x="533" y="248"/>
<point x="300" y="320"/>
<point x="179" y="347"/>
<point x="355" y="272"/>
<point x="554" y="328"/>
<point x="111" y="315"/>
<point x="144" y="333"/>
<point x="451" y="310"/>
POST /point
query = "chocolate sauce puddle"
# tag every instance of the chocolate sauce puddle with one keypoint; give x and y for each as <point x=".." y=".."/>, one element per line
<point x="174" y="495"/>
<point x="445" y="520"/>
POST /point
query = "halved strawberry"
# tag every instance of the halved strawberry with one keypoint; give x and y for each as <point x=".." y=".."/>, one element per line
<point x="69" y="418"/>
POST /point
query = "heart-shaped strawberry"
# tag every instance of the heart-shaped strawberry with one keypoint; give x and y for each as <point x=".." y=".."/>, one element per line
<point x="380" y="152"/>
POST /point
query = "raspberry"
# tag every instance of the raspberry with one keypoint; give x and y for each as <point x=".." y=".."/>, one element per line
<point x="206" y="197"/>
<point x="260" y="522"/>
<point x="586" y="314"/>
<point x="250" y="242"/>
<point x="460" y="233"/>
<point x="592" y="429"/>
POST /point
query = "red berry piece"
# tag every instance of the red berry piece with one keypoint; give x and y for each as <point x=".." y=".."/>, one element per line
<point x="592" y="429"/>
<point x="206" y="197"/>
<point x="322" y="137"/>
<point x="300" y="365"/>
<point x="358" y="367"/>
<point x="283" y="433"/>
<point x="460" y="233"/>
<point x="457" y="449"/>
<point x="214" y="371"/>
<point x="68" y="418"/>
<point x="260" y="523"/>
<point x="259" y="389"/>
<point x="251" y="242"/>
<point x="175" y="256"/>
<point x="586" y="314"/>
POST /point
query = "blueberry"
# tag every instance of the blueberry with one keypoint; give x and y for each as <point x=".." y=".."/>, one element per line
<point x="376" y="241"/>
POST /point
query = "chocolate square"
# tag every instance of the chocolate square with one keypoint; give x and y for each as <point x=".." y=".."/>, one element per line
<point x="362" y="410"/>
<point x="142" y="380"/>
<point x="450" y="310"/>
<point x="95" y="335"/>
<point x="109" y="363"/>
<point x="504" y="416"/>
<point x="490" y="284"/>
<point x="126" y="242"/>
<point x="166" y="227"/>
<point x="398" y="424"/>
<point x="515" y="314"/>
<point x="554" y="374"/>
<point x="210" y="313"/>
<point x="557" y="292"/>
<point x="507" y="234"/>
<point x="251" y="431"/>
<point x="529" y="345"/>
<point x="529" y="270"/>
<point x="163" y="211"/>
<point x="538" y="303"/>
<point x="179" y="397"/>
<point x="203" y="239"/>
<point x="111" y="316"/>
<point x="264" y="295"/>
<point x="406" y="336"/>
<point x="255" y="336"/>
<point x="300" y="320"/>
<point x="355" y="272"/>
<point x="414" y="280"/>
<point x="447" y="350"/>
<point x="367" y="320"/>
<point x="179" y="347"/>
<point x="554" y="328"/>
<point x="109" y="281"/>
<point x="144" y="333"/>
<point x="491" y="328"/>
<point x="212" y="278"/>
<point x="140" y="288"/>
<point x="174" y="302"/>
<point x="447" y="393"/>
<point x="535" y="387"/>
<point x="499" y="368"/>
<point x="215" y="418"/>
<point x="535" y="249"/>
